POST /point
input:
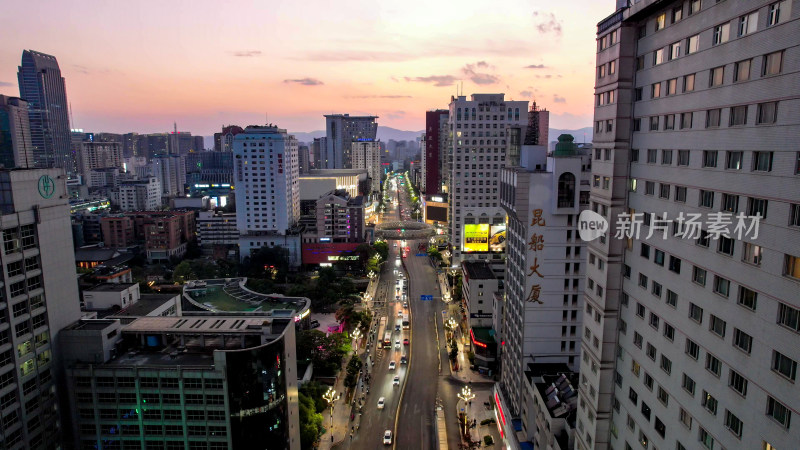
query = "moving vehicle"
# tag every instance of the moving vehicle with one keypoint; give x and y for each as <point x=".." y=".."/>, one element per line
<point x="381" y="402"/>
<point x="387" y="437"/>
<point x="382" y="330"/>
<point x="398" y="325"/>
<point x="392" y="365"/>
<point x="405" y="341"/>
<point x="404" y="359"/>
<point x="406" y="322"/>
<point x="405" y="305"/>
<point x="387" y="339"/>
<point x="397" y="344"/>
<point x="396" y="380"/>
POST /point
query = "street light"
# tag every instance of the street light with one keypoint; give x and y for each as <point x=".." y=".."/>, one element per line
<point x="331" y="396"/>
<point x="466" y="395"/>
<point x="356" y="337"/>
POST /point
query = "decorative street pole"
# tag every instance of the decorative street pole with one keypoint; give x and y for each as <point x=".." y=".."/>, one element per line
<point x="331" y="396"/>
<point x="356" y="337"/>
<point x="466" y="395"/>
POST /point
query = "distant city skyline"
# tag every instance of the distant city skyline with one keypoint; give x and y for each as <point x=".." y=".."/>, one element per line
<point x="140" y="66"/>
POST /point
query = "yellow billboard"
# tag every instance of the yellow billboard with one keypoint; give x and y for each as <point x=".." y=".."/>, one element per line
<point x="476" y="238"/>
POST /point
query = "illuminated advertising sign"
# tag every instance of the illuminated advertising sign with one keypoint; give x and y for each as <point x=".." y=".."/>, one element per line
<point x="497" y="238"/>
<point x="476" y="237"/>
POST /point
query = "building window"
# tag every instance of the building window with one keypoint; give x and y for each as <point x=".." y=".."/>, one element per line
<point x="713" y="364"/>
<point x="660" y="21"/>
<point x="725" y="245"/>
<point x="654" y="123"/>
<point x="789" y="317"/>
<point x="717" y="76"/>
<point x="778" y="12"/>
<point x="695" y="313"/>
<point x="784" y="365"/>
<point x="751" y="253"/>
<point x="778" y="411"/>
<point x="733" y="424"/>
<point x="655" y="90"/>
<point x="772" y="64"/>
<point x="747" y="298"/>
<point x="706" y="199"/>
<point x="733" y="160"/>
<point x="717" y="326"/>
<point x="713" y="117"/>
<point x="658" y="56"/>
<point x="666" y="364"/>
<point x="672" y="299"/>
<point x="709" y="402"/>
<point x="692" y="44"/>
<point x="738" y="116"/>
<point x="688" y="384"/>
<point x="566" y="190"/>
<point x="767" y="113"/>
<point x="757" y="206"/>
<point x="721" y="33"/>
<point x="669" y="122"/>
<point x="738" y="383"/>
<point x="706" y="439"/>
<point x="742" y="70"/>
<point x="762" y="161"/>
<point x="649" y="188"/>
<point x="722" y="286"/>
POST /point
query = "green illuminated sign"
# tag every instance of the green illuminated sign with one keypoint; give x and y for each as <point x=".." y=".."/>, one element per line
<point x="47" y="187"/>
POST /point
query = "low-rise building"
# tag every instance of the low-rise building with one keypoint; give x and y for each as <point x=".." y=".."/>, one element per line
<point x="118" y="231"/>
<point x="217" y="228"/>
<point x="479" y="285"/>
<point x="106" y="295"/>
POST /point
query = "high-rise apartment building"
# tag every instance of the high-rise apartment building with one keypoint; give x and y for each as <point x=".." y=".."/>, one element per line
<point x="99" y="155"/>
<point x="538" y="126"/>
<point x="542" y="196"/>
<point x="342" y="130"/>
<point x="434" y="151"/>
<point x="16" y="149"/>
<point x="170" y="170"/>
<point x="266" y="177"/>
<point x="41" y="294"/>
<point x="692" y="342"/>
<point x="367" y="155"/>
<point x="42" y="86"/>
<point x="340" y="217"/>
<point x="479" y="128"/>
<point x="223" y="142"/>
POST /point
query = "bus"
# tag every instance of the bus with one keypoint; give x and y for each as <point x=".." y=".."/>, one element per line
<point x="387" y="339"/>
<point x="382" y="326"/>
<point x="406" y="323"/>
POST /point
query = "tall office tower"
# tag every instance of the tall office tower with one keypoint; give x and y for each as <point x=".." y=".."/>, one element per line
<point x="538" y="126"/>
<point x="199" y="143"/>
<point x="318" y="148"/>
<point x="171" y="173"/>
<point x="266" y="178"/>
<point x="434" y="150"/>
<point x="180" y="142"/>
<point x="42" y="297"/>
<point x="130" y="145"/>
<point x="343" y="129"/>
<point x="367" y="155"/>
<point x="694" y="339"/>
<point x="99" y="155"/>
<point x="42" y="86"/>
<point x="480" y="131"/>
<point x="16" y="150"/>
<point x="223" y="142"/>
<point x="157" y="144"/>
<point x="303" y="156"/>
<point x="542" y="196"/>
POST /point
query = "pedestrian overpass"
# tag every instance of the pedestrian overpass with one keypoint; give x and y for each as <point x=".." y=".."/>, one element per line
<point x="404" y="229"/>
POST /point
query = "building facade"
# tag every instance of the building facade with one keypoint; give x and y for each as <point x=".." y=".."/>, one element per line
<point x="217" y="228"/>
<point x="367" y="155"/>
<point x="341" y="130"/>
<point x="139" y="195"/>
<point x="99" y="155"/>
<point x="41" y="292"/>
<point x="434" y="151"/>
<point x="479" y="287"/>
<point x="118" y="231"/>
<point x="16" y="149"/>
<point x="693" y="342"/>
<point x="543" y="197"/>
<point x="170" y="170"/>
<point x="42" y="86"/>
<point x="479" y="127"/>
<point x="340" y="217"/>
<point x="202" y="381"/>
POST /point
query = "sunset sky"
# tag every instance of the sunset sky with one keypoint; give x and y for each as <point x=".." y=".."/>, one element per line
<point x="140" y="65"/>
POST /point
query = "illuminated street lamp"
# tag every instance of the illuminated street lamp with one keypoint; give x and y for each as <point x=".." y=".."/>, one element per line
<point x="331" y="396"/>
<point x="356" y="336"/>
<point x="466" y="395"/>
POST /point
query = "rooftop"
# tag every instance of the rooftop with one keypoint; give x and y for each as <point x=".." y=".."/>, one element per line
<point x="111" y="287"/>
<point x="146" y="304"/>
<point x="478" y="270"/>
<point x="556" y="385"/>
<point x="232" y="295"/>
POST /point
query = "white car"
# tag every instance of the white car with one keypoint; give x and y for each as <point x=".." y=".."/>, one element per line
<point x="399" y="313"/>
<point x="397" y="344"/>
<point x="392" y="365"/>
<point x="381" y="402"/>
<point x="387" y="437"/>
<point x="396" y="381"/>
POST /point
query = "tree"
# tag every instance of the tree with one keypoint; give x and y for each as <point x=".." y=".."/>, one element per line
<point x="453" y="355"/>
<point x="382" y="249"/>
<point x="353" y="367"/>
<point x="310" y="421"/>
<point x="183" y="272"/>
<point x="268" y="262"/>
<point x="325" y="352"/>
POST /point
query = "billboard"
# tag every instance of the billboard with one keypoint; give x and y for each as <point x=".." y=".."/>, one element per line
<point x="476" y="238"/>
<point x="497" y="238"/>
<point x="435" y="213"/>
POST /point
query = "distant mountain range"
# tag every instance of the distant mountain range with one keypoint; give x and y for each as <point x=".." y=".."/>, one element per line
<point x="387" y="133"/>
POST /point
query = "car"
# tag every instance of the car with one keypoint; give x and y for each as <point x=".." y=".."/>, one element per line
<point x="405" y="341"/>
<point x="392" y="365"/>
<point x="396" y="380"/>
<point x="387" y="437"/>
<point x="405" y="305"/>
<point x="404" y="359"/>
<point x="397" y="345"/>
<point x="381" y="402"/>
<point x="399" y="313"/>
